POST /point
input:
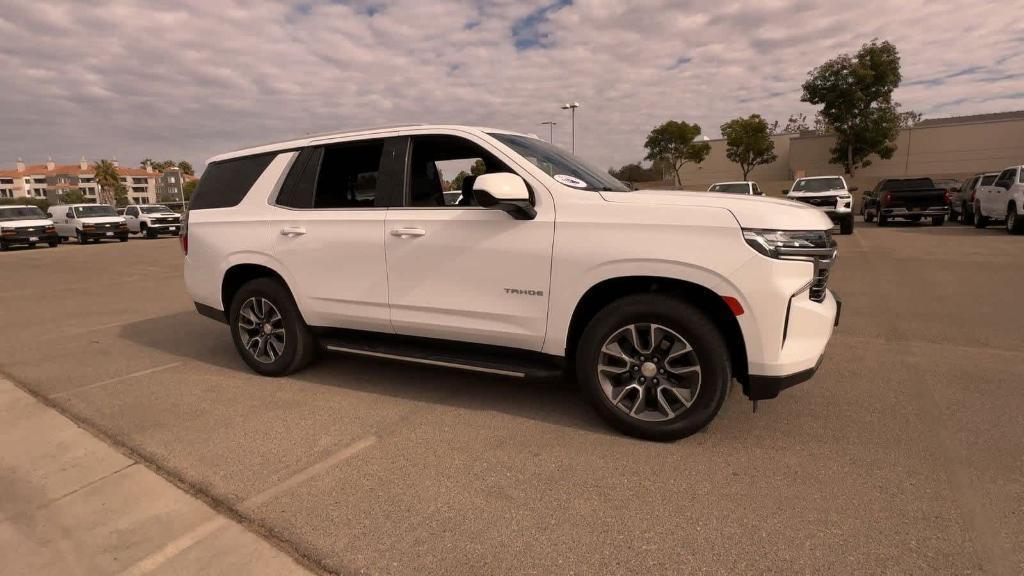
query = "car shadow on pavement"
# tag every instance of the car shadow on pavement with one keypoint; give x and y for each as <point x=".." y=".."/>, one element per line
<point x="549" y="400"/>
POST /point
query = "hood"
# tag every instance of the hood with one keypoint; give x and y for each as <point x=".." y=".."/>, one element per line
<point x="102" y="220"/>
<point x="26" y="223"/>
<point x="749" y="211"/>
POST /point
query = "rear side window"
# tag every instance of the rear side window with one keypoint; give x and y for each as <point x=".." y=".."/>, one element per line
<point x="225" y="183"/>
<point x="348" y="175"/>
<point x="988" y="180"/>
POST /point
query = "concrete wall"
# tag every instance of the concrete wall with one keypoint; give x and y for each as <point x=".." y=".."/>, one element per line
<point x="945" y="151"/>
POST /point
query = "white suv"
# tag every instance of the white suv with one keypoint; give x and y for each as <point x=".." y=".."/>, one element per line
<point x="744" y="187"/>
<point x="830" y="194"/>
<point x="1003" y="200"/>
<point x="655" y="302"/>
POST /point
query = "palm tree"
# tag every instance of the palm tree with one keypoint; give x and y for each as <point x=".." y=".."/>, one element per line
<point x="108" y="181"/>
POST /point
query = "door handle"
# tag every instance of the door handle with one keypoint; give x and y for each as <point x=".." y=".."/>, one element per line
<point x="403" y="232"/>
<point x="293" y="231"/>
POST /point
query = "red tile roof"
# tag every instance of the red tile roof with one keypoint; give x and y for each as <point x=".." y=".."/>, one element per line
<point x="37" y="169"/>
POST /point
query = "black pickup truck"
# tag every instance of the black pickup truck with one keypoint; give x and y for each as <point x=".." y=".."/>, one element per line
<point x="907" y="198"/>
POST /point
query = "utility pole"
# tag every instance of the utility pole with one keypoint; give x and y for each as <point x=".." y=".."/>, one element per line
<point x="551" y="130"/>
<point x="572" y="106"/>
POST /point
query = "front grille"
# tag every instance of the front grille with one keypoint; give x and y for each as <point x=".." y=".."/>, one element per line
<point x="820" y="201"/>
<point x="165" y="220"/>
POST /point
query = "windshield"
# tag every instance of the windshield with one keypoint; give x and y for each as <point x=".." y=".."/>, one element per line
<point x="818" y="185"/>
<point x="154" y="209"/>
<point x="737" y="188"/>
<point x="92" y="211"/>
<point x="560" y="164"/>
<point x="27" y="213"/>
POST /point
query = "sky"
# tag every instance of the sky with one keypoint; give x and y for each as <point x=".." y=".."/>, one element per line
<point x="188" y="79"/>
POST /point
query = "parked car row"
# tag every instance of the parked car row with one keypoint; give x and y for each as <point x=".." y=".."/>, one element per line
<point x="28" y="225"/>
<point x="1002" y="200"/>
<point x="829" y="194"/>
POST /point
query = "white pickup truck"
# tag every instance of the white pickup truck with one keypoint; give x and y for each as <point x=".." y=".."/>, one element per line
<point x="654" y="303"/>
<point x="830" y="194"/>
<point x="152" y="220"/>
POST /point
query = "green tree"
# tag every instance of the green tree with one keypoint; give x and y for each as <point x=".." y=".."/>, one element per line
<point x="478" y="168"/>
<point x="673" y="143"/>
<point x="188" y="188"/>
<point x="108" y="181"/>
<point x="145" y="161"/>
<point x="855" y="93"/>
<point x="186" y="168"/>
<point x="72" y="197"/>
<point x="749" y="142"/>
<point x="457" y="181"/>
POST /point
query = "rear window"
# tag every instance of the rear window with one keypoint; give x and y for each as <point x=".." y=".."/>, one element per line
<point x="908" y="184"/>
<point x="225" y="183"/>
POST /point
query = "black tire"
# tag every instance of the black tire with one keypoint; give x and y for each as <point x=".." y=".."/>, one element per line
<point x="80" y="236"/>
<point x="53" y="243"/>
<point x="688" y="322"/>
<point x="980" y="221"/>
<point x="123" y="239"/>
<point x="299" y="346"/>
<point x="869" y="217"/>
<point x="846" y="225"/>
<point x="882" y="219"/>
<point x="1014" y="223"/>
<point x="3" y="246"/>
<point x="966" y="214"/>
<point x="938" y="220"/>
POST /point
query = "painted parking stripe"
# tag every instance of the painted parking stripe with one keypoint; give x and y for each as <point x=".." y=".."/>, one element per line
<point x="118" y="379"/>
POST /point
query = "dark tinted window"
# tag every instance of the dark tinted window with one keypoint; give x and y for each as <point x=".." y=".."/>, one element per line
<point x="988" y="179"/>
<point x="907" y="184"/>
<point x="731" y="188"/>
<point x="443" y="168"/>
<point x="818" y="185"/>
<point x="225" y="183"/>
<point x="348" y="175"/>
<point x="298" y="187"/>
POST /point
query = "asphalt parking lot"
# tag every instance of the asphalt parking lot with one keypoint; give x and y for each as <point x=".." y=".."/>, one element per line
<point x="903" y="455"/>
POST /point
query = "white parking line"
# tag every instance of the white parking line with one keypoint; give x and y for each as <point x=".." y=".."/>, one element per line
<point x="118" y="379"/>
<point x="183" y="542"/>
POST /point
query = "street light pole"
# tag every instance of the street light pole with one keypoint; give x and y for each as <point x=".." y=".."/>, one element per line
<point x="551" y="130"/>
<point x="572" y="106"/>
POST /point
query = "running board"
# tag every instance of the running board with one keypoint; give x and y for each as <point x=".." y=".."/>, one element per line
<point x="495" y="360"/>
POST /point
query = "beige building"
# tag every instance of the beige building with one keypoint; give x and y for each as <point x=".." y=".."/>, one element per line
<point x="957" y="147"/>
<point x="52" y="180"/>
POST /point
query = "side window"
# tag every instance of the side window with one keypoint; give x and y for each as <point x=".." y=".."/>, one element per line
<point x="1006" y="178"/>
<point x="132" y="211"/>
<point x="1020" y="176"/>
<point x="225" y="183"/>
<point x="756" y="189"/>
<point x="442" y="170"/>
<point x="348" y="175"/>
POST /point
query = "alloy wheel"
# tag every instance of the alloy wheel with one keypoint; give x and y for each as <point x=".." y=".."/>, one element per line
<point x="261" y="329"/>
<point x="649" y="372"/>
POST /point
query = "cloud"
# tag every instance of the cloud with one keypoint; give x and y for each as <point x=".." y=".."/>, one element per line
<point x="190" y="79"/>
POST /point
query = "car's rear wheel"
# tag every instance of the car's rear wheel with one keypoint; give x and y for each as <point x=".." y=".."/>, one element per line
<point x="268" y="330"/>
<point x="654" y="367"/>
<point x="938" y="220"/>
<point x="980" y="221"/>
<point x="882" y="219"/>
<point x="869" y="216"/>
<point x="1014" y="223"/>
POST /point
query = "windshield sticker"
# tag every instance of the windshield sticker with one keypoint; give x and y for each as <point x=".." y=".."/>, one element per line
<point x="570" y="181"/>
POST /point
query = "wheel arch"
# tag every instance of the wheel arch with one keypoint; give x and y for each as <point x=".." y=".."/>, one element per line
<point x="239" y="274"/>
<point x="603" y="293"/>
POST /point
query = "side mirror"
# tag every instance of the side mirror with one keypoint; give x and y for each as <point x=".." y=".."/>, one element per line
<point x="504" y="191"/>
<point x="852" y="189"/>
<point x="69" y="214"/>
<point x="785" y="191"/>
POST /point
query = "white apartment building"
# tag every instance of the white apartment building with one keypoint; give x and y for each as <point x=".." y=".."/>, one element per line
<point x="52" y="180"/>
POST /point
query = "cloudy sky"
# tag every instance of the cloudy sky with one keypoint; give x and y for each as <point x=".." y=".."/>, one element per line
<point x="189" y="79"/>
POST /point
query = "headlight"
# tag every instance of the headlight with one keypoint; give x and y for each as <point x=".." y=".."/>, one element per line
<point x="791" y="244"/>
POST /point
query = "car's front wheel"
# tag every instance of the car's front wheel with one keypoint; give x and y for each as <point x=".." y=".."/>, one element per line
<point x="846" y="225"/>
<point x="268" y="330"/>
<point x="654" y="367"/>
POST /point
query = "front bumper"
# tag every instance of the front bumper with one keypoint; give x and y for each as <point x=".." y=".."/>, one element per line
<point x="809" y="327"/>
<point x="170" y="228"/>
<point x="20" y="237"/>
<point x="836" y="216"/>
<point x="105" y="234"/>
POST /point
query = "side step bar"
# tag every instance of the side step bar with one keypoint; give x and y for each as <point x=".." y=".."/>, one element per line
<point x="495" y="360"/>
